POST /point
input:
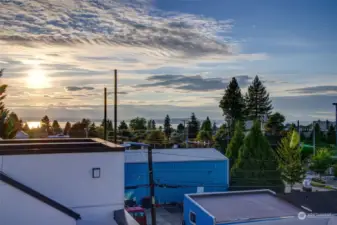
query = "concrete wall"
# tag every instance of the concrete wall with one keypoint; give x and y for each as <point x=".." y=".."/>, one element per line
<point x="16" y="208"/>
<point x="202" y="216"/>
<point x="67" y="178"/>
<point x="212" y="175"/>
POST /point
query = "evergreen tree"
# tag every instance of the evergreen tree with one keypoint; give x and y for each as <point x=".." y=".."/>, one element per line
<point x="221" y="138"/>
<point x="56" y="127"/>
<point x="275" y="124"/>
<point x="235" y="144"/>
<point x="180" y="128"/>
<point x="67" y="128"/>
<point x="289" y="158"/>
<point x="205" y="133"/>
<point x="149" y="124"/>
<point x="256" y="166"/>
<point x="124" y="130"/>
<point x="331" y="135"/>
<point x="193" y="127"/>
<point x="93" y="130"/>
<point x="214" y="128"/>
<point x="232" y="102"/>
<point x="25" y="127"/>
<point x="153" y="125"/>
<point x="138" y="124"/>
<point x="167" y="126"/>
<point x="257" y="99"/>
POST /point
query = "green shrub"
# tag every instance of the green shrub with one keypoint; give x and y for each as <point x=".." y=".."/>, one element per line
<point x="335" y="170"/>
<point x="318" y="180"/>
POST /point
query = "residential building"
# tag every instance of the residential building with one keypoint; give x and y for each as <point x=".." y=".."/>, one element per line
<point x="60" y="181"/>
<point x="176" y="172"/>
<point x="263" y="207"/>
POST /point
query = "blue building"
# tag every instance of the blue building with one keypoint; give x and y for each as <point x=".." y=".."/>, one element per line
<point x="258" y="207"/>
<point x="176" y="172"/>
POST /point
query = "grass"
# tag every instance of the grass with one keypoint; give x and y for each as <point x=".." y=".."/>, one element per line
<point x="320" y="185"/>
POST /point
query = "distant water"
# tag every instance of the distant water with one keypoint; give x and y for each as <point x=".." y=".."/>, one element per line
<point x="34" y="124"/>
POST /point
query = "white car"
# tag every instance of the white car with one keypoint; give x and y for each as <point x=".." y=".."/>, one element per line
<point x="307" y="185"/>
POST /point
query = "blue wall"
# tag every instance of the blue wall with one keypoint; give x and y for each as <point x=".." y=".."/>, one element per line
<point x="202" y="218"/>
<point x="210" y="174"/>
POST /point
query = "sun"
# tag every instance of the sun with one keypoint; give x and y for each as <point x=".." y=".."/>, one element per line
<point x="37" y="79"/>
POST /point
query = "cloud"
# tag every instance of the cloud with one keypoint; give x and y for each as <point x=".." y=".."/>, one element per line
<point x="191" y="83"/>
<point x="112" y="22"/>
<point x="325" y="89"/>
<point x="118" y="92"/>
<point x="75" y="88"/>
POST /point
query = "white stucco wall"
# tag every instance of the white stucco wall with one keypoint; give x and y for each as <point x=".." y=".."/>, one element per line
<point x="67" y="178"/>
<point x="18" y="208"/>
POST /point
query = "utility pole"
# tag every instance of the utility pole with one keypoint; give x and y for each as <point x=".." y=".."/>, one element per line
<point x="185" y="135"/>
<point x="335" y="104"/>
<point x="115" y="108"/>
<point x="105" y="112"/>
<point x="153" y="201"/>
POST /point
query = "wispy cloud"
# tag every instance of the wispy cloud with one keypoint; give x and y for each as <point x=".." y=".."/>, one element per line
<point x="74" y="88"/>
<point x="324" y="89"/>
<point x="191" y="83"/>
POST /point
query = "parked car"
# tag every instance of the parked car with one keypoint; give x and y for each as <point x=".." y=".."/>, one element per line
<point x="306" y="185"/>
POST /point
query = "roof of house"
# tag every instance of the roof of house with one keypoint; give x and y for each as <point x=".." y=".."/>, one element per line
<point x="317" y="202"/>
<point x="175" y="155"/>
<point x="56" y="145"/>
<point x="244" y="205"/>
<point x="10" y="181"/>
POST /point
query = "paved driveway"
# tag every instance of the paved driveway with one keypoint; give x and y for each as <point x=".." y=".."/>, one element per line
<point x="166" y="216"/>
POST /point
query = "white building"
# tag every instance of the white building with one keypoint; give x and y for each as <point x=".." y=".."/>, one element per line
<point x="60" y="182"/>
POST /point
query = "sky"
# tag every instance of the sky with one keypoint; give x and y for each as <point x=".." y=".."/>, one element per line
<point x="173" y="56"/>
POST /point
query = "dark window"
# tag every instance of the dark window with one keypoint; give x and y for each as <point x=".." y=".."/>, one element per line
<point x="193" y="218"/>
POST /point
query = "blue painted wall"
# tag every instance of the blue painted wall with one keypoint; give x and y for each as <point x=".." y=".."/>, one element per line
<point x="210" y="174"/>
<point x="202" y="218"/>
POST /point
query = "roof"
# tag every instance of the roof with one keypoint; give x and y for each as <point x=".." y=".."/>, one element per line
<point x="56" y="145"/>
<point x="122" y="217"/>
<point x="244" y="205"/>
<point x="317" y="202"/>
<point x="175" y="155"/>
<point x="10" y="181"/>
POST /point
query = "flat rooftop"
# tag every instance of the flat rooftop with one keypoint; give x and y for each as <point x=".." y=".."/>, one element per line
<point x="244" y="206"/>
<point x="54" y="146"/>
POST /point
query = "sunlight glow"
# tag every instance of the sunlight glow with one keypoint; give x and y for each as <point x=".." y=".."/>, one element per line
<point x="33" y="125"/>
<point x="37" y="79"/>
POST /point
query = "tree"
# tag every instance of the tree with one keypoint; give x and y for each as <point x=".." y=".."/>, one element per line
<point x="153" y="126"/>
<point x="25" y="127"/>
<point x="138" y="124"/>
<point x="123" y="130"/>
<point x="220" y="138"/>
<point x="331" y="135"/>
<point x="289" y="158"/>
<point x="321" y="161"/>
<point x="205" y="133"/>
<point x="275" y="124"/>
<point x="318" y="133"/>
<point x="45" y="124"/>
<point x="93" y="130"/>
<point x="67" y="128"/>
<point x="108" y="124"/>
<point x="167" y="126"/>
<point x="214" y="128"/>
<point x="181" y="128"/>
<point x="236" y="143"/>
<point x="155" y="137"/>
<point x="256" y="166"/>
<point x="177" y="137"/>
<point x="11" y="125"/>
<point x="56" y="127"/>
<point x="257" y="99"/>
<point x="193" y="127"/>
<point x="232" y="102"/>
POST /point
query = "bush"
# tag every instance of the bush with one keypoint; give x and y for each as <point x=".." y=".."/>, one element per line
<point x="317" y="180"/>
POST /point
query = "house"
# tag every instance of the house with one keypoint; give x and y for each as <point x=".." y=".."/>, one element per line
<point x="261" y="207"/>
<point x="60" y="181"/>
<point x="176" y="172"/>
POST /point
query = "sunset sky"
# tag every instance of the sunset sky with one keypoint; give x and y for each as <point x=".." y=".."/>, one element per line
<point x="173" y="56"/>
